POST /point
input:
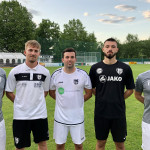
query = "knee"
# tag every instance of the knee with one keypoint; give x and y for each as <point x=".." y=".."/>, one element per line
<point x="78" y="146"/>
<point x="120" y="146"/>
<point x="60" y="146"/>
<point x="100" y="144"/>
<point x="42" y="145"/>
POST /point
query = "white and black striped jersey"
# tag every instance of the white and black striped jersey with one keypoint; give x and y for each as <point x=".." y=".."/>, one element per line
<point x="69" y="108"/>
<point x="30" y="85"/>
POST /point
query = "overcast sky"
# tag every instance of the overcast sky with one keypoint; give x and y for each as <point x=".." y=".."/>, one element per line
<point x="106" y="18"/>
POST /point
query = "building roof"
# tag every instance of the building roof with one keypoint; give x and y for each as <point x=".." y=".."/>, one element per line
<point x="11" y="56"/>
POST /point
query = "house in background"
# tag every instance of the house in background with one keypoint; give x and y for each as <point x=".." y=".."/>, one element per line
<point x="11" y="59"/>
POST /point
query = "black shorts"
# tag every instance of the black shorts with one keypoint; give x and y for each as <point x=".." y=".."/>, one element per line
<point x="117" y="127"/>
<point x="23" y="128"/>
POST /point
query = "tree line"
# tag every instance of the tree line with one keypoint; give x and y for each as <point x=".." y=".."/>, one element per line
<point x="17" y="27"/>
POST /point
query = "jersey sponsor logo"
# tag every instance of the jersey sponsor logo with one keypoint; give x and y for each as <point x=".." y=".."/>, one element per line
<point x="115" y="78"/>
<point x="60" y="82"/>
<point x="99" y="70"/>
<point x="61" y="90"/>
<point x="22" y="76"/>
<point x="26" y="77"/>
<point x="38" y="85"/>
<point x="103" y="78"/>
<point x="119" y="70"/>
<point x="24" y="84"/>
<point x="76" y="81"/>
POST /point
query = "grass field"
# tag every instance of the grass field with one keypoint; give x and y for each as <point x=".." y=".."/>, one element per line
<point x="134" y="111"/>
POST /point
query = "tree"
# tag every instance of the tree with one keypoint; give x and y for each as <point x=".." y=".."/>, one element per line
<point x="48" y="34"/>
<point x="16" y="26"/>
<point x="75" y="35"/>
<point x="131" y="46"/>
<point x="132" y="38"/>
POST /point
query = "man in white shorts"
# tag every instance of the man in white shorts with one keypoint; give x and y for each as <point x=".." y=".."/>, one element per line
<point x="31" y="82"/>
<point x="2" y="122"/>
<point x="67" y="85"/>
<point x="143" y="86"/>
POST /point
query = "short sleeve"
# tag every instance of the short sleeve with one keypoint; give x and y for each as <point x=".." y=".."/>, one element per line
<point x="88" y="84"/>
<point x="92" y="77"/>
<point x="52" y="83"/>
<point x="129" y="79"/>
<point x="138" y="85"/>
<point x="47" y="82"/>
<point x="11" y="82"/>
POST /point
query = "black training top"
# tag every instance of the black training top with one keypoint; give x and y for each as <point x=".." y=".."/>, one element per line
<point x="110" y="82"/>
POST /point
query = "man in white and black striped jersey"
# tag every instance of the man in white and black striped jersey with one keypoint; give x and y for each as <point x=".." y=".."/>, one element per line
<point x="66" y="86"/>
<point x="31" y="81"/>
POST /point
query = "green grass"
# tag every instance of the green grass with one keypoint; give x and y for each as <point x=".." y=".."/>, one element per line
<point x="134" y="111"/>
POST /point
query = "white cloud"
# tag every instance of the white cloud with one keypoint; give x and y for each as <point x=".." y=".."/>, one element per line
<point x="115" y="19"/>
<point x="86" y="14"/>
<point x="125" y="7"/>
<point x="148" y="1"/>
<point x="130" y="19"/>
<point x="146" y="14"/>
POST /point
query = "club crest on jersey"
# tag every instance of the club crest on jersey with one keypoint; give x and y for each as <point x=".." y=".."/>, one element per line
<point x="99" y="70"/>
<point x="76" y="81"/>
<point x="39" y="77"/>
<point x="119" y="71"/>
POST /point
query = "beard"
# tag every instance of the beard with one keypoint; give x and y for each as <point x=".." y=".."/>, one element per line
<point x="33" y="59"/>
<point x="109" y="56"/>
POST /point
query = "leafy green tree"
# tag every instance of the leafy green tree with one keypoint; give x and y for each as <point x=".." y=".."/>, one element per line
<point x="48" y="34"/>
<point x="16" y="26"/>
<point x="132" y="38"/>
<point x="75" y="35"/>
<point x="130" y="47"/>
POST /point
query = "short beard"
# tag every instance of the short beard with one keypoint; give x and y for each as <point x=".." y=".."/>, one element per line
<point x="109" y="56"/>
<point x="31" y="61"/>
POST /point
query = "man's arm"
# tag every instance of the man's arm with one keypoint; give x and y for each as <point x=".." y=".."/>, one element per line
<point x="3" y="93"/>
<point x="127" y="93"/>
<point x="11" y="96"/>
<point x="52" y="94"/>
<point x="88" y="94"/>
<point x="45" y="93"/>
<point x="139" y="97"/>
<point x="94" y="91"/>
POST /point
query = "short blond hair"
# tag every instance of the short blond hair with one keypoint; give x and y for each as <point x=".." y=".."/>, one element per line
<point x="33" y="43"/>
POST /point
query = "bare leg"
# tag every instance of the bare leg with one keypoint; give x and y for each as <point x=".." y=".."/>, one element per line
<point x="60" y="146"/>
<point x="42" y="145"/>
<point x="78" y="146"/>
<point x="100" y="145"/>
<point x="120" y="146"/>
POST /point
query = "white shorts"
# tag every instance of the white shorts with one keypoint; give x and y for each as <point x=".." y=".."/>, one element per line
<point x="60" y="133"/>
<point x="2" y="135"/>
<point x="145" y="136"/>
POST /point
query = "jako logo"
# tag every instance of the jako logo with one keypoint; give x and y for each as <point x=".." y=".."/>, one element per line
<point x="103" y="78"/>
